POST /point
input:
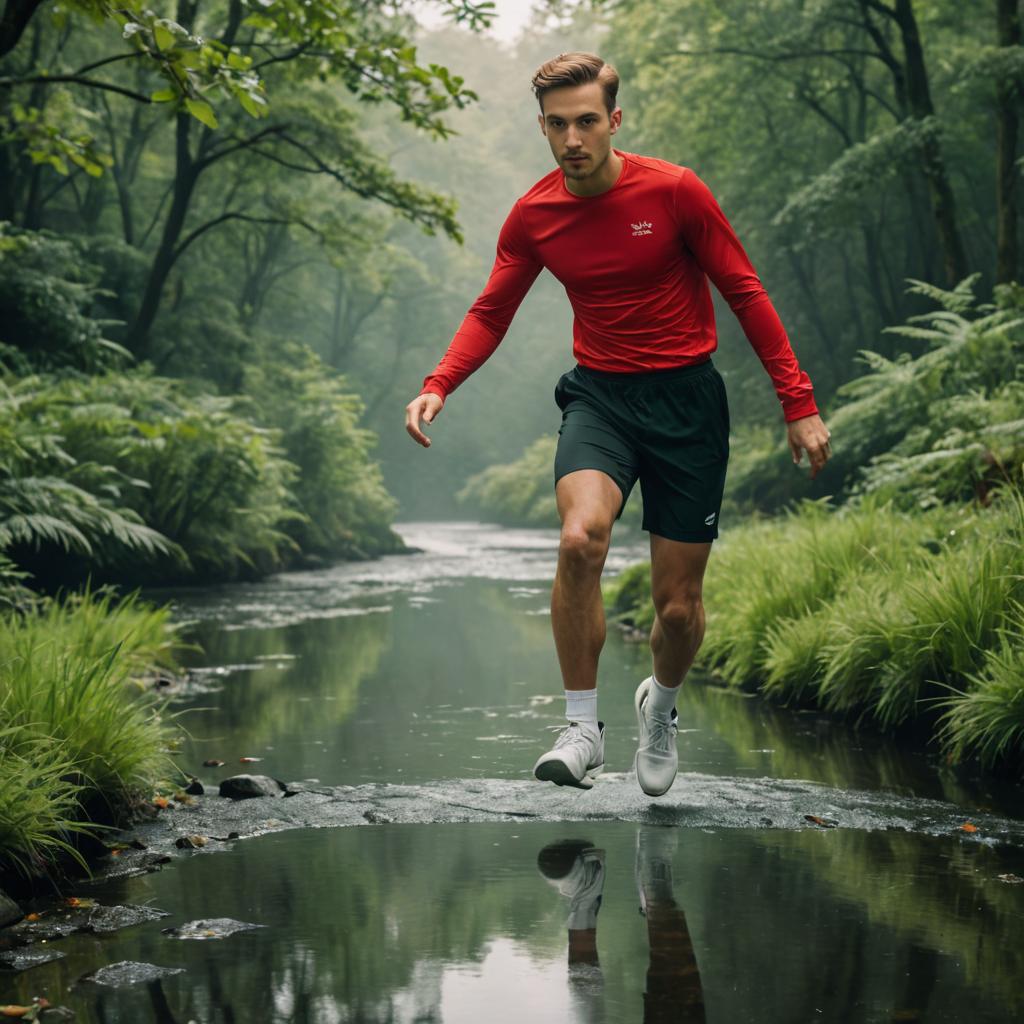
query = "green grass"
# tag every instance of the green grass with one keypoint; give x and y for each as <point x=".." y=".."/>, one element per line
<point x="78" y="727"/>
<point x="986" y="718"/>
<point x="874" y="613"/>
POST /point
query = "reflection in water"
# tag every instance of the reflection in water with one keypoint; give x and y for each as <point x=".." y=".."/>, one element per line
<point x="895" y="915"/>
<point x="576" y="868"/>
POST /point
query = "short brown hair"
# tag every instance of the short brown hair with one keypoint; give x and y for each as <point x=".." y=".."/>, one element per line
<point x="576" y="69"/>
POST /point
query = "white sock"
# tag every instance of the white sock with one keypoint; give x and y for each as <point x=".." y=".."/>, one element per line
<point x="661" y="700"/>
<point x="581" y="706"/>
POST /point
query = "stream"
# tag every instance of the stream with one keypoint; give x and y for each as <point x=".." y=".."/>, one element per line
<point x="798" y="870"/>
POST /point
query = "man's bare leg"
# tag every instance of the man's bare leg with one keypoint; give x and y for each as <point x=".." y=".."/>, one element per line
<point x="677" y="579"/>
<point x="677" y="575"/>
<point x="588" y="501"/>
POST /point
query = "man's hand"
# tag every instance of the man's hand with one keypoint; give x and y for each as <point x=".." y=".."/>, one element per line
<point x="810" y="433"/>
<point x="428" y="406"/>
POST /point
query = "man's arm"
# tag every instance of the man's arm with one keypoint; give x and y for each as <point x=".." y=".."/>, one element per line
<point x="710" y="237"/>
<point x="514" y="271"/>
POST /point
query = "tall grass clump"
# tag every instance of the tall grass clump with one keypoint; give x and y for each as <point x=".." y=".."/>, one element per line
<point x="786" y="569"/>
<point x="986" y="718"/>
<point x="80" y="741"/>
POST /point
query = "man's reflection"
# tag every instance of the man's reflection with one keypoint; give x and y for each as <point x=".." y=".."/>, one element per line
<point x="576" y="869"/>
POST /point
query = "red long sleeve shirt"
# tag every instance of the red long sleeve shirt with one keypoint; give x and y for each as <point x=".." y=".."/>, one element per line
<point x="635" y="262"/>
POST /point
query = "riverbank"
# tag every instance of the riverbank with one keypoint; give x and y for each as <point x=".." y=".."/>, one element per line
<point x="900" y="620"/>
<point x="85" y="735"/>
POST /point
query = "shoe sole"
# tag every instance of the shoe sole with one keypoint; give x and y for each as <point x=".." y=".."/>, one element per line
<point x="558" y="773"/>
<point x="637" y="701"/>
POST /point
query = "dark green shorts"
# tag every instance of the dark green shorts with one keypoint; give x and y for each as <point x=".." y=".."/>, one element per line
<point x="667" y="428"/>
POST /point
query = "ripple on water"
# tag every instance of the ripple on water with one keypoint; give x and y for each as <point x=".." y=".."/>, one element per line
<point x="448" y="554"/>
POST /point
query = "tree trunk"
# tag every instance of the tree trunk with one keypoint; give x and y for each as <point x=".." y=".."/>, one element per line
<point x="184" y="182"/>
<point x="17" y="14"/>
<point x="920" y="102"/>
<point x="1009" y="34"/>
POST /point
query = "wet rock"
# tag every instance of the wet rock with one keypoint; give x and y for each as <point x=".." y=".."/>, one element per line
<point x="210" y="928"/>
<point x="129" y="972"/>
<point x="23" y="959"/>
<point x="244" y="787"/>
<point x="9" y="910"/>
<point x="137" y="861"/>
<point x="696" y="800"/>
<point x="62" y="920"/>
<point x="195" y="787"/>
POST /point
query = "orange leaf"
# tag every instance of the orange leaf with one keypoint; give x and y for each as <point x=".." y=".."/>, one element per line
<point x="160" y="801"/>
<point x="968" y="827"/>
<point x="32" y="917"/>
<point x="11" y="1010"/>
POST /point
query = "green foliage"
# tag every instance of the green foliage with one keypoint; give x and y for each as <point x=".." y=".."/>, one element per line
<point x="519" y="493"/>
<point x="47" y="498"/>
<point x="76" y="730"/>
<point x="986" y="720"/>
<point x="364" y="46"/>
<point x="209" y="480"/>
<point x="870" y="611"/>
<point x="830" y="201"/>
<point x="346" y="511"/>
<point x="47" y="287"/>
<point x="946" y="425"/>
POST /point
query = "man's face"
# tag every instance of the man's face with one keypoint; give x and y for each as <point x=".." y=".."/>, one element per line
<point x="579" y="128"/>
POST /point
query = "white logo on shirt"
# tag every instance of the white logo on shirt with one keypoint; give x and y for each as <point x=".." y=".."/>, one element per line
<point x="710" y="520"/>
<point x="644" y="227"/>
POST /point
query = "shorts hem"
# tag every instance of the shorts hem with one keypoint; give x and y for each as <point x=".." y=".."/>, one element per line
<point x="601" y="469"/>
<point x="684" y="536"/>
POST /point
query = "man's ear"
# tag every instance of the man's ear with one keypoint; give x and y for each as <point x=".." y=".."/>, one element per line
<point x="540" y="121"/>
<point x="616" y="119"/>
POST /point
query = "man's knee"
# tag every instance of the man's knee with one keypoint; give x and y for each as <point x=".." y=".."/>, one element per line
<point x="680" y="611"/>
<point x="584" y="543"/>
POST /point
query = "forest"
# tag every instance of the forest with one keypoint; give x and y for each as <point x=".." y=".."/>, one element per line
<point x="235" y="236"/>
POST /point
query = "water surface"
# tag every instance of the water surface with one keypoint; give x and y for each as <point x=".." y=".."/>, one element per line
<point x="432" y="675"/>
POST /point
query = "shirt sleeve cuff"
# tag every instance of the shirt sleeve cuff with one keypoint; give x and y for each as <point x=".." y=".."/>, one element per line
<point x="798" y="408"/>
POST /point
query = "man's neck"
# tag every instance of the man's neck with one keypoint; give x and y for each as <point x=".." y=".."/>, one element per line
<point x="595" y="184"/>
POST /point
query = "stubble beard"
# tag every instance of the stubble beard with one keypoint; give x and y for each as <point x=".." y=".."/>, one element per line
<point x="579" y="173"/>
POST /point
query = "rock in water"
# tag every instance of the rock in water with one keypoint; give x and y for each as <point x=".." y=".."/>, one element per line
<point x="130" y="972"/>
<point x="210" y="928"/>
<point x="242" y="787"/>
<point x="9" y="910"/>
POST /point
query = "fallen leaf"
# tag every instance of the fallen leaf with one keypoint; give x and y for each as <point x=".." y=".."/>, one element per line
<point x="80" y="901"/>
<point x="249" y="760"/>
<point x="183" y="798"/>
<point x="212" y="763"/>
<point x="32" y="917"/>
<point x="189" y="842"/>
<point x="1010" y="879"/>
<point x="823" y="822"/>
<point x="11" y="1010"/>
<point x="968" y="827"/>
<point x="161" y="801"/>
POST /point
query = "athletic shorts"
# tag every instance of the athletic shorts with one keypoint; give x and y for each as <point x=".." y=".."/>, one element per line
<point x="667" y="428"/>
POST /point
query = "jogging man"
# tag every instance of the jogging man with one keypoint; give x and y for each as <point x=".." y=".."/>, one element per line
<point x="634" y="240"/>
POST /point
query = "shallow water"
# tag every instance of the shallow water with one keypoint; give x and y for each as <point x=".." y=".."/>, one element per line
<point x="415" y="692"/>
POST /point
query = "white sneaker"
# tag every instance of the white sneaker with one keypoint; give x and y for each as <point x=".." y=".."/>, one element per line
<point x="575" y="759"/>
<point x="582" y="882"/>
<point x="657" y="760"/>
<point x="652" y="869"/>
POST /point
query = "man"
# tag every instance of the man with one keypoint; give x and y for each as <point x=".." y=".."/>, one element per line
<point x="633" y="239"/>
